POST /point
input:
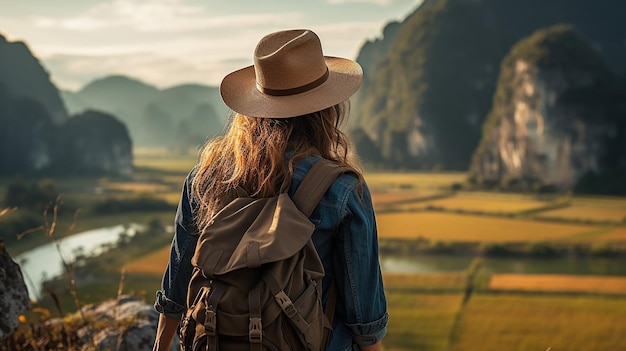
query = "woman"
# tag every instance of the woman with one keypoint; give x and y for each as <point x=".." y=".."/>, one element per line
<point x="288" y="109"/>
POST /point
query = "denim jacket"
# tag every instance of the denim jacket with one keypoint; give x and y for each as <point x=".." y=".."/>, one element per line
<point x="346" y="240"/>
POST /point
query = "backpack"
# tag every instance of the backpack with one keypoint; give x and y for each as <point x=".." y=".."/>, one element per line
<point x="257" y="278"/>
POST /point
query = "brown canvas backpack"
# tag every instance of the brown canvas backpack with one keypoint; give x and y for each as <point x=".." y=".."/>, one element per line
<point x="257" y="277"/>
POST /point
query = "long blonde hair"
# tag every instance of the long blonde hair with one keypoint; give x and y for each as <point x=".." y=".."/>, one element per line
<point x="252" y="155"/>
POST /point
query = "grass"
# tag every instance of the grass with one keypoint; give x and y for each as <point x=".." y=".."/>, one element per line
<point x="405" y="181"/>
<point x="598" y="208"/>
<point x="617" y="234"/>
<point x="559" y="283"/>
<point x="588" y="213"/>
<point x="600" y="201"/>
<point x="483" y="202"/>
<point x="420" y="321"/>
<point x="166" y="164"/>
<point x="143" y="286"/>
<point x="515" y="322"/>
<point x="428" y="281"/>
<point x="168" y="192"/>
<point x="153" y="263"/>
<point x="455" y="227"/>
<point x="386" y="198"/>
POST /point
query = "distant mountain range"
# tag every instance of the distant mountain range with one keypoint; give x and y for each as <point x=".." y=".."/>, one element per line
<point x="37" y="135"/>
<point x="525" y="94"/>
<point x="183" y="115"/>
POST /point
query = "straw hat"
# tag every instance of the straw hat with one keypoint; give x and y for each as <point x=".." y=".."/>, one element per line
<point x="290" y="77"/>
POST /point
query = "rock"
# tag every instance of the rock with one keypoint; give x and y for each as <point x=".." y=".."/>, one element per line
<point x="14" y="299"/>
<point x="124" y="324"/>
<point x="555" y="118"/>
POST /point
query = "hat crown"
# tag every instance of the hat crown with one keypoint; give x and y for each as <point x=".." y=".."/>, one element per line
<point x="290" y="77"/>
<point x="288" y="60"/>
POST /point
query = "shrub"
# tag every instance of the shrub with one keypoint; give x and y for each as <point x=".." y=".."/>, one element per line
<point x="494" y="250"/>
<point x="541" y="250"/>
<point x="33" y="196"/>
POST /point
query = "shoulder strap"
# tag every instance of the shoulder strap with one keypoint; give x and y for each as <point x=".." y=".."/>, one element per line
<point x="315" y="183"/>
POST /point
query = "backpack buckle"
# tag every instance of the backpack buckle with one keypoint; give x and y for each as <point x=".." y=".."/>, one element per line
<point x="210" y="322"/>
<point x="285" y="304"/>
<point x="255" y="330"/>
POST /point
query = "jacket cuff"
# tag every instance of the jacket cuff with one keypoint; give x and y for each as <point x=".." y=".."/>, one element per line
<point x="168" y="307"/>
<point x="369" y="333"/>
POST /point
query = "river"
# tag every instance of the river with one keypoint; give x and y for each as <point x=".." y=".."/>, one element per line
<point x="523" y="265"/>
<point x="45" y="262"/>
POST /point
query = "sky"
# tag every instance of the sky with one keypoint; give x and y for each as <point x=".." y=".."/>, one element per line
<point x="171" y="42"/>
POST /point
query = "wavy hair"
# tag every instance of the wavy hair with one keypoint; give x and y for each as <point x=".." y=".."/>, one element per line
<point x="252" y="155"/>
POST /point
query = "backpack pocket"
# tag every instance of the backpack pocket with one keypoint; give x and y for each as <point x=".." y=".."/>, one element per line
<point x="192" y="330"/>
<point x="309" y="305"/>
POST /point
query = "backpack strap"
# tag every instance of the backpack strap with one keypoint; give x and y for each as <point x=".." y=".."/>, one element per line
<point x="309" y="193"/>
<point x="329" y="312"/>
<point x="315" y="183"/>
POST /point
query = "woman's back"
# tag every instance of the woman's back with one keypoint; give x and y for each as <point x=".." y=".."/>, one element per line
<point x="346" y="241"/>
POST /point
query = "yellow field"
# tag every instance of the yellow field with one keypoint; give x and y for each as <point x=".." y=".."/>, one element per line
<point x="453" y="227"/>
<point x="420" y="321"/>
<point x="526" y="322"/>
<point x="389" y="181"/>
<point x="385" y="198"/>
<point x="600" y="201"/>
<point x="559" y="283"/>
<point x="181" y="164"/>
<point x="137" y="187"/>
<point x="439" y="280"/>
<point x="617" y="234"/>
<point x="588" y="212"/>
<point x="482" y="202"/>
<point x="153" y="263"/>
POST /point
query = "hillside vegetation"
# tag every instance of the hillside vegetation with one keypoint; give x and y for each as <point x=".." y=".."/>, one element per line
<point x="424" y="102"/>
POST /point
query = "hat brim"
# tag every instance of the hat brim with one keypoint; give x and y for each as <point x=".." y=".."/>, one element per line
<point x="239" y="92"/>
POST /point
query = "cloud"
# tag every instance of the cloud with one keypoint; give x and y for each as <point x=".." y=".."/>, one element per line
<point x="346" y="38"/>
<point x="164" y="61"/>
<point x="167" y="42"/>
<point x="161" y="16"/>
<point x="77" y="71"/>
<point x="375" y="2"/>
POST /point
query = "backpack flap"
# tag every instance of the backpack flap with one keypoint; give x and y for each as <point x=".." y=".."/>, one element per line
<point x="249" y="232"/>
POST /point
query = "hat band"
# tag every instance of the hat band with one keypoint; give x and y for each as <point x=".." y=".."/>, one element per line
<point x="296" y="90"/>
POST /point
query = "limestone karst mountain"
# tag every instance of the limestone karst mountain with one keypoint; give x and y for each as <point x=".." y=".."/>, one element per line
<point x="35" y="129"/>
<point x="425" y="100"/>
<point x="80" y="142"/>
<point x="23" y="76"/>
<point x="558" y="115"/>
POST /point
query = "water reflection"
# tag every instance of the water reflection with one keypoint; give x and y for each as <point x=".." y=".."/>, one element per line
<point x="44" y="261"/>
<point x="443" y="263"/>
<point x="424" y="264"/>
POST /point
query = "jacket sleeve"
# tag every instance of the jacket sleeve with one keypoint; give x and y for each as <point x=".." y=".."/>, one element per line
<point x="171" y="298"/>
<point x="357" y="266"/>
